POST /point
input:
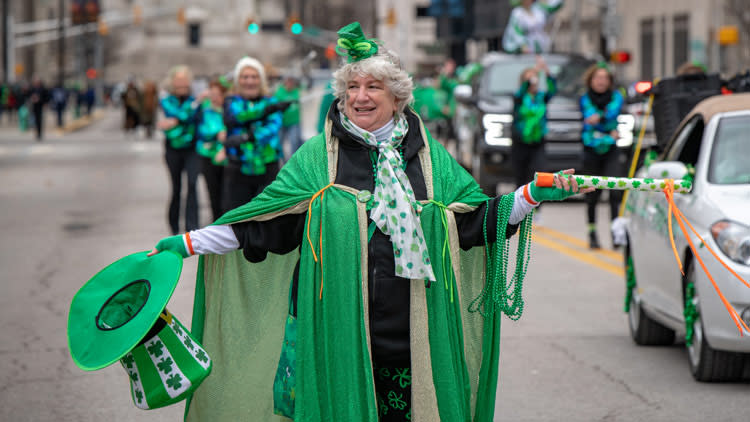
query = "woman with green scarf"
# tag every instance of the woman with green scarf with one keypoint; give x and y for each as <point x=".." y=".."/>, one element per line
<point x="356" y="280"/>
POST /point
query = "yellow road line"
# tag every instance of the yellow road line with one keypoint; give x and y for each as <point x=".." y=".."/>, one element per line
<point x="577" y="242"/>
<point x="586" y="257"/>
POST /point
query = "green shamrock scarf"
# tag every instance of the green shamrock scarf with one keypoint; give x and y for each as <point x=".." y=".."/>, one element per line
<point x="396" y="211"/>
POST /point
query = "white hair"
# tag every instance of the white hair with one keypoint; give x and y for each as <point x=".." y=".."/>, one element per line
<point x="180" y="69"/>
<point x="255" y="64"/>
<point x="384" y="66"/>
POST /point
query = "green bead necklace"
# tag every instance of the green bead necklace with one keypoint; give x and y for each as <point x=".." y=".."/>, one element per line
<point x="499" y="293"/>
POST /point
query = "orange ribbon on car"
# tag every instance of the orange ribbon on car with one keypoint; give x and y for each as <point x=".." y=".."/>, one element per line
<point x="320" y="195"/>
<point x="681" y="220"/>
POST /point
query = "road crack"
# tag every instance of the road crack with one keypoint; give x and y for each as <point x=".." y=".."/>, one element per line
<point x="607" y="375"/>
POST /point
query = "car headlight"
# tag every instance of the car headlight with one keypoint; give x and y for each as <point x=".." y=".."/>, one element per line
<point x="497" y="129"/>
<point x="733" y="239"/>
<point x="625" y="126"/>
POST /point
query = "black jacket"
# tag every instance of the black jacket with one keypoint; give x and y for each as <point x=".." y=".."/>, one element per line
<point x="388" y="294"/>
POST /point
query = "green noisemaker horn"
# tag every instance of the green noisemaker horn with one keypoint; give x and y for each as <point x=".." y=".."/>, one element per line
<point x="617" y="183"/>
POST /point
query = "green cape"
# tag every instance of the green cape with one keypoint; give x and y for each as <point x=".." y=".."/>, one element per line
<point x="240" y="307"/>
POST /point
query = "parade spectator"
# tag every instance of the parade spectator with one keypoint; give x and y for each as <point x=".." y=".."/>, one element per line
<point x="150" y="105"/>
<point x="355" y="224"/>
<point x="325" y="104"/>
<point x="600" y="105"/>
<point x="59" y="103"/>
<point x="131" y="100"/>
<point x="253" y="145"/>
<point x="211" y="133"/>
<point x="90" y="98"/>
<point x="291" y="130"/>
<point x="530" y="121"/>
<point x="432" y="103"/>
<point x="38" y="98"/>
<point x="525" y="33"/>
<point x="179" y="109"/>
<point x="5" y="97"/>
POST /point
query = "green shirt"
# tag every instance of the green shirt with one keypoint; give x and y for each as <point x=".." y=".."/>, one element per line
<point x="291" y="116"/>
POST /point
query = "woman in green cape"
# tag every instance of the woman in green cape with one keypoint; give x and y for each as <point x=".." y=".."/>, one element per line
<point x="366" y="282"/>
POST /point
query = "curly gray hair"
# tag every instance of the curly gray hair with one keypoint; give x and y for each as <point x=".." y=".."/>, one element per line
<point x="384" y="66"/>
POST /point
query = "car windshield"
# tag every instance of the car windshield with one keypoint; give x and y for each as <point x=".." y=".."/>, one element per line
<point x="504" y="78"/>
<point x="729" y="164"/>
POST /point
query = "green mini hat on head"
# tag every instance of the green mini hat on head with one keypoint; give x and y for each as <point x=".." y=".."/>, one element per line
<point x="353" y="44"/>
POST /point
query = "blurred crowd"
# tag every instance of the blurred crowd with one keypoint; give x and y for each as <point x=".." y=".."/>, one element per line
<point x="24" y="103"/>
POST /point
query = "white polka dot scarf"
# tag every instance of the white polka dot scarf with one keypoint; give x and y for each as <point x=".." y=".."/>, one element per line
<point x="395" y="210"/>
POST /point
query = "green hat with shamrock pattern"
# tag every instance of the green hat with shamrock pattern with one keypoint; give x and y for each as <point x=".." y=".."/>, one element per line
<point x="119" y="314"/>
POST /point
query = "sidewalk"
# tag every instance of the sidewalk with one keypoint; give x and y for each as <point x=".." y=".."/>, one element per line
<point x="10" y="130"/>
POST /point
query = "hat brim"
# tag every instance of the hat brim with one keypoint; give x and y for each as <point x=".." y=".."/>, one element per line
<point x="94" y="348"/>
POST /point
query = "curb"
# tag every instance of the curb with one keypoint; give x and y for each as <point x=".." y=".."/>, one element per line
<point x="82" y="122"/>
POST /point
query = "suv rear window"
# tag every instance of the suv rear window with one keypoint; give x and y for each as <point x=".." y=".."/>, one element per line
<point x="504" y="78"/>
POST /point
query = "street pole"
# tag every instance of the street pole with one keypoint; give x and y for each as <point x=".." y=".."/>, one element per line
<point x="575" y="26"/>
<point x="612" y="18"/>
<point x="6" y="40"/>
<point x="61" y="43"/>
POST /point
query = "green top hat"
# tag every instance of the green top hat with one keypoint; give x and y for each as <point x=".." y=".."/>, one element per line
<point x="353" y="44"/>
<point x="117" y="307"/>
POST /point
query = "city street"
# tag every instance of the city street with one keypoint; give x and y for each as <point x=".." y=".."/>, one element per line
<point x="76" y="202"/>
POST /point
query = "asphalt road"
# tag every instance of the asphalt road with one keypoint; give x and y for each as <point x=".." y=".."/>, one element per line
<point x="75" y="202"/>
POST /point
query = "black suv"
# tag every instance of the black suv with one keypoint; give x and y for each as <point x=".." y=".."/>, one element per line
<point x="484" y="119"/>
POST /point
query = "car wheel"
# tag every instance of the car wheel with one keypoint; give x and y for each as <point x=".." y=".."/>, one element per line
<point x="706" y="363"/>
<point x="644" y="330"/>
<point x="486" y="181"/>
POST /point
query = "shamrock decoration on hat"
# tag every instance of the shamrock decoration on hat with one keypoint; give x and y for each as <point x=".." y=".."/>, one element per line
<point x="353" y="44"/>
<point x="120" y="314"/>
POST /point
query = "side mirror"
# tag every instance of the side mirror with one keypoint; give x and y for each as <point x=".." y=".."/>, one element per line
<point x="463" y="93"/>
<point x="667" y="170"/>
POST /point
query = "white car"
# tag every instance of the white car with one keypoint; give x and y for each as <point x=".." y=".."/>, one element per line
<point x="714" y="140"/>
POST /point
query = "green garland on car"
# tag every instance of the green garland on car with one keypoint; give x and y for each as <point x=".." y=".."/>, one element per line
<point x="690" y="313"/>
<point x="629" y="283"/>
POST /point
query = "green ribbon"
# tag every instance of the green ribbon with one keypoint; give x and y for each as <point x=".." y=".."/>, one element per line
<point x="446" y="264"/>
<point x="353" y="44"/>
<point x="356" y="51"/>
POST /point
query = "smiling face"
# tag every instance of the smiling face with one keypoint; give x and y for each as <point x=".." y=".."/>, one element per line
<point x="181" y="84"/>
<point x="600" y="81"/>
<point x="216" y="95"/>
<point x="369" y="103"/>
<point x="249" y="83"/>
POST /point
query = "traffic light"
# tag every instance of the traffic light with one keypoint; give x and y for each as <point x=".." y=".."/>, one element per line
<point x="84" y="11"/>
<point x="620" y="57"/>
<point x="181" y="16"/>
<point x="137" y="15"/>
<point x="390" y="17"/>
<point x="91" y="10"/>
<point x="252" y="26"/>
<point x="103" y="28"/>
<point x="76" y="12"/>
<point x="331" y="51"/>
<point x="294" y="26"/>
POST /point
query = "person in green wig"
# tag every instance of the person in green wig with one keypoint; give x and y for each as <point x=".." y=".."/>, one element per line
<point x="361" y="279"/>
